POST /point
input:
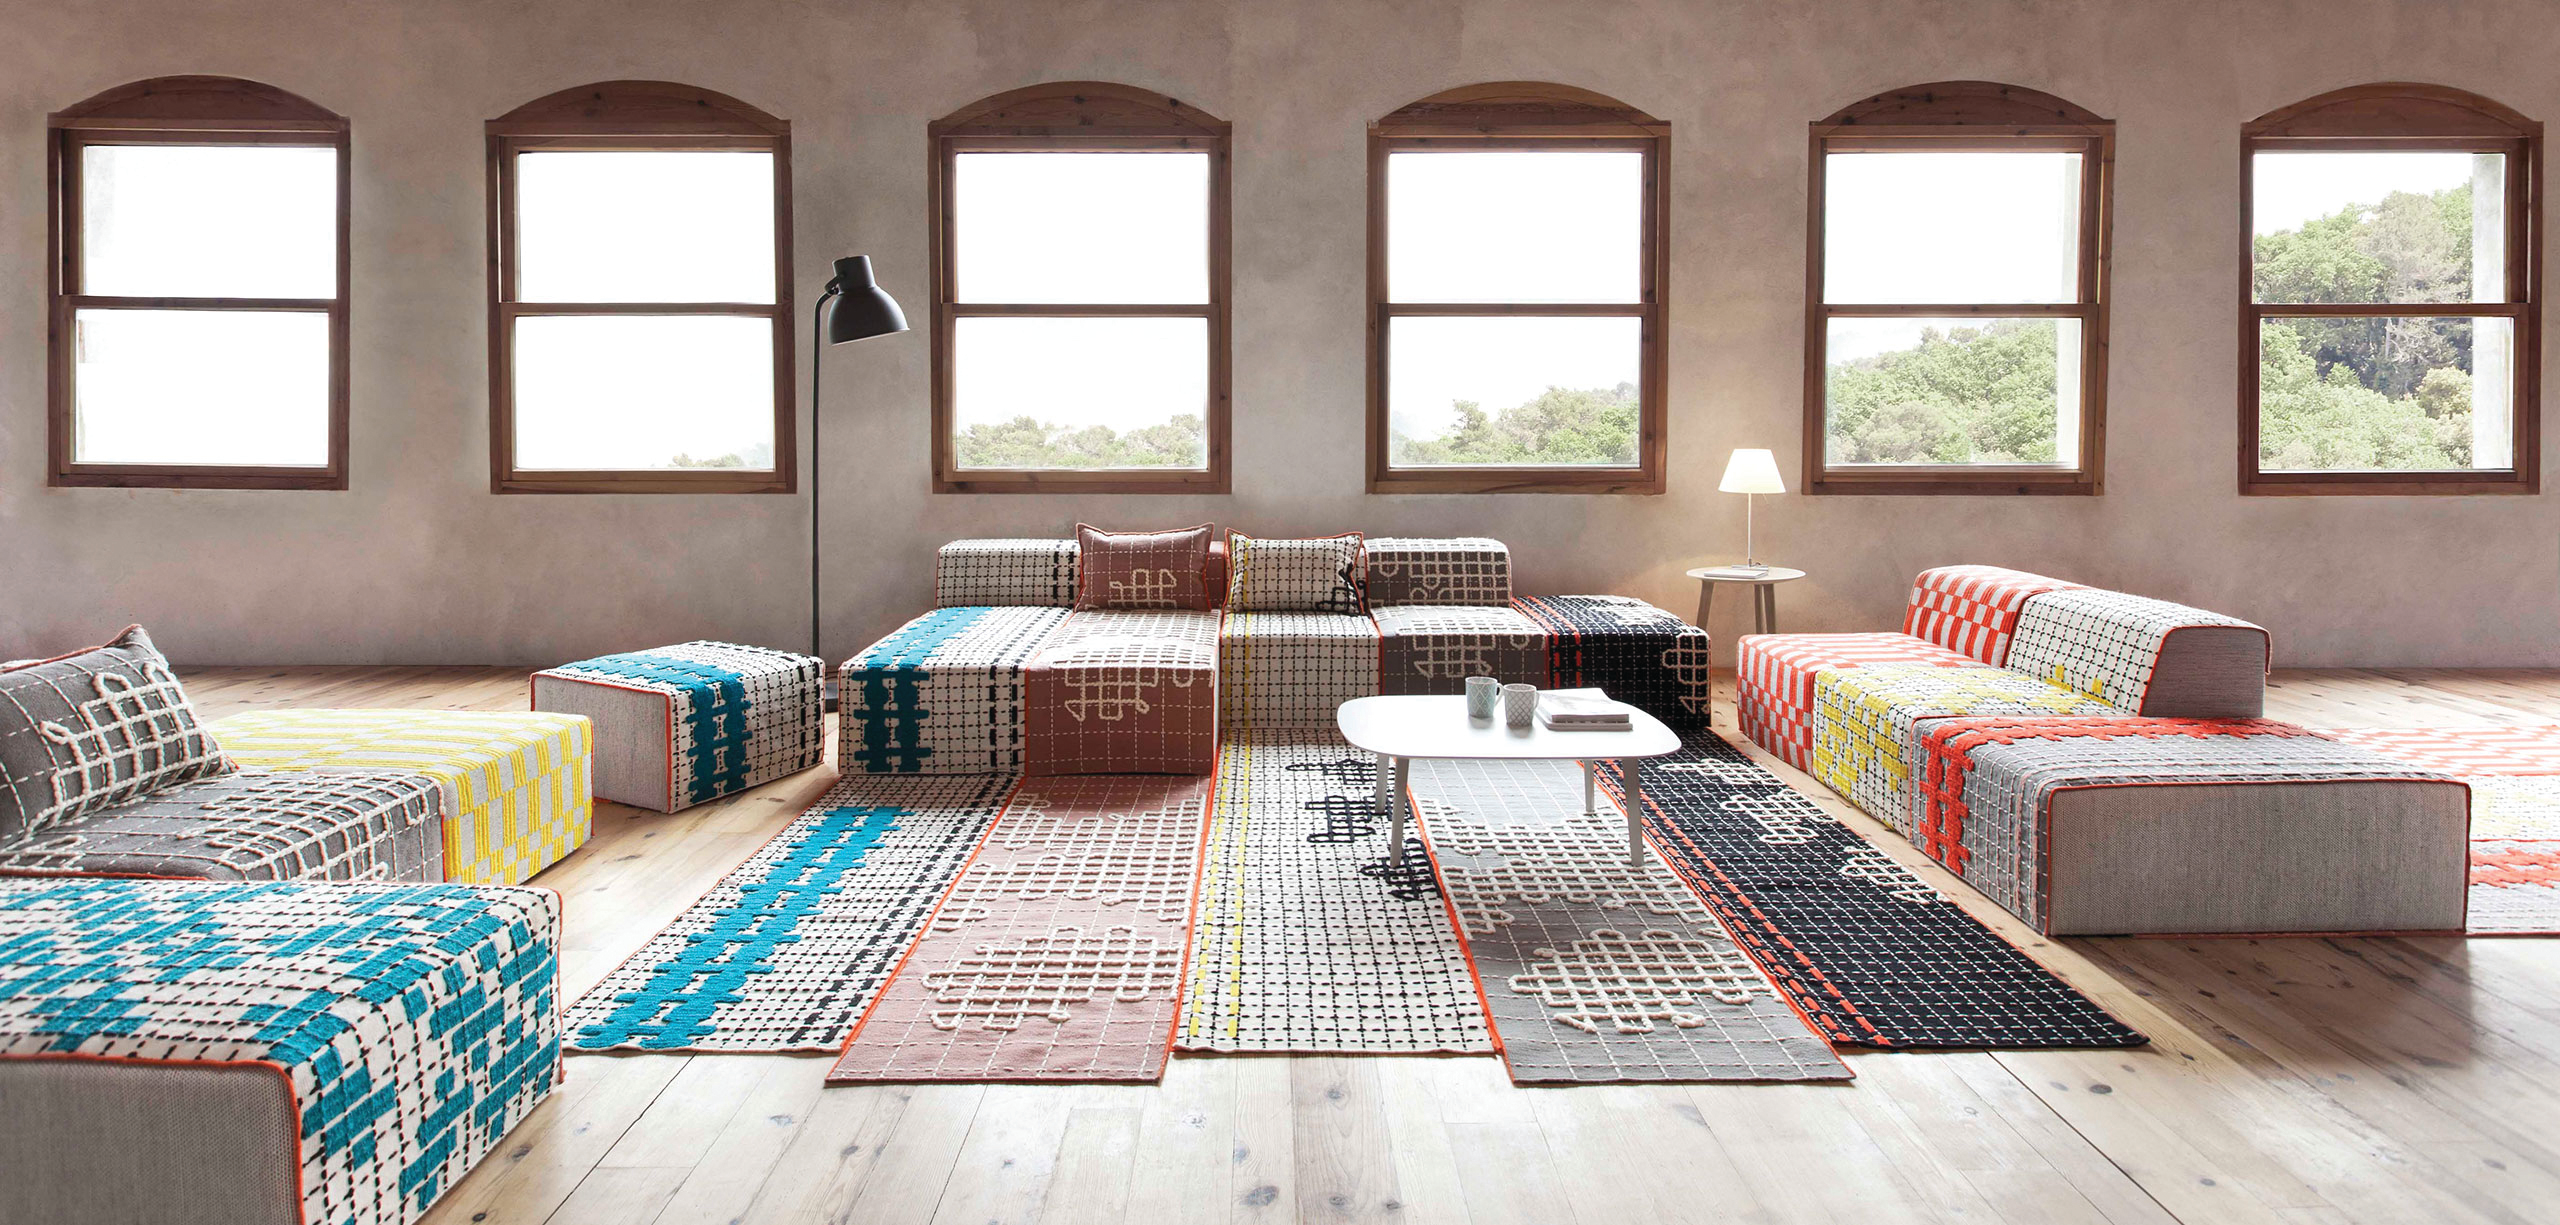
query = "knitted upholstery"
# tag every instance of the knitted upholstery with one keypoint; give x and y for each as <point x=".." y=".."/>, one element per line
<point x="1867" y="723"/>
<point x="970" y="573"/>
<point x="1773" y="675"/>
<point x="684" y="724"/>
<point x="2143" y="655"/>
<point x="1635" y="652"/>
<point x="1293" y="669"/>
<point x="1124" y="693"/>
<point x="1427" y="570"/>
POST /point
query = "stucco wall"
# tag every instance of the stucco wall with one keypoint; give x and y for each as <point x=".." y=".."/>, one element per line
<point x="418" y="562"/>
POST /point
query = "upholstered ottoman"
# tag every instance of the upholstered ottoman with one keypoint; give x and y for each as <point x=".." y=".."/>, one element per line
<point x="942" y="694"/>
<point x="2122" y="825"/>
<point x="689" y="723"/>
<point x="516" y="786"/>
<point x="1867" y="723"/>
<point x="1437" y="570"/>
<point x="1639" y="654"/>
<point x="1773" y="681"/>
<point x="1118" y="692"/>
<point x="370" y="826"/>
<point x="1293" y="669"/>
<point x="226" y="1054"/>
<point x="1434" y="648"/>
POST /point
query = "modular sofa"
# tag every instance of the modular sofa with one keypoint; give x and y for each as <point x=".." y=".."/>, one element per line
<point x="2096" y="762"/>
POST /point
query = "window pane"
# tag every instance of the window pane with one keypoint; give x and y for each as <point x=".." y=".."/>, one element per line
<point x="206" y="221"/>
<point x="1951" y="227"/>
<point x="1953" y="392"/>
<point x="1082" y="227"/>
<point x="1513" y="391"/>
<point x="1501" y="226"/>
<point x="201" y="387"/>
<point x="1080" y="393"/>
<point x="688" y="226"/>
<point x="2379" y="227"/>
<point x="2365" y="395"/>
<point x="644" y="392"/>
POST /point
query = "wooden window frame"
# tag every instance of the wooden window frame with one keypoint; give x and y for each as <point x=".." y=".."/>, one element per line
<point x="1957" y="116"/>
<point x="2400" y="115"/>
<point x="634" y="116"/>
<point x="192" y="111"/>
<point x="1068" y="116"/>
<point x="1528" y="115"/>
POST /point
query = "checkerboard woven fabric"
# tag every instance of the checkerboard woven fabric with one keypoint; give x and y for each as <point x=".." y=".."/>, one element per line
<point x="1636" y="652"/>
<point x="1596" y="971"/>
<point x="373" y="826"/>
<point x="2514" y="774"/>
<point x="1867" y="723"/>
<point x="415" y="1024"/>
<point x="515" y="785"/>
<point x="1320" y="575"/>
<point x="1773" y="675"/>
<point x="970" y="573"/>
<point x="785" y="952"/>
<point x="1426" y="570"/>
<point x="736" y="716"/>
<point x="1058" y="954"/>
<point x="943" y="694"/>
<point x="87" y="732"/>
<point x="2101" y="643"/>
<point x="1293" y="669"/>
<point x="1973" y="610"/>
<point x="1434" y="648"/>
<point x="1124" y="692"/>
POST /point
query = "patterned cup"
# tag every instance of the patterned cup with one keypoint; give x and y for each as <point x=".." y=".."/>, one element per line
<point x="1483" y="693"/>
<point x="1519" y="705"/>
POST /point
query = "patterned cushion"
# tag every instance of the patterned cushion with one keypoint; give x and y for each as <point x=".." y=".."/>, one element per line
<point x="411" y="1025"/>
<point x="1867" y="723"/>
<point x="1141" y="570"/>
<point x="1317" y="575"/>
<point x="1638" y="653"/>
<point x="1973" y="609"/>
<point x="1434" y="648"/>
<point x="1773" y="675"/>
<point x="372" y="826"/>
<point x="971" y="573"/>
<point x="1423" y="570"/>
<point x="693" y="722"/>
<point x="515" y="784"/>
<point x="1124" y="693"/>
<point x="943" y="694"/>
<point x="2143" y="655"/>
<point x="1293" y="669"/>
<point x="89" y="731"/>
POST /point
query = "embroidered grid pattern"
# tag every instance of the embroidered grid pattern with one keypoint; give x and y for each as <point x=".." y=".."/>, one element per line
<point x="1124" y="693"/>
<point x="1142" y="570"/>
<point x="1867" y="723"/>
<point x="1773" y="681"/>
<point x="1634" y="651"/>
<point x="1425" y="570"/>
<point x="256" y="827"/>
<point x="2101" y="643"/>
<point x="943" y="694"/>
<point x="1973" y="610"/>
<point x="1293" y="669"/>
<point x="971" y="573"/>
<point x="1320" y="575"/>
<point x="1434" y="648"/>
<point x="83" y="734"/>
<point x="415" y="1024"/>
<point x="739" y="716"/>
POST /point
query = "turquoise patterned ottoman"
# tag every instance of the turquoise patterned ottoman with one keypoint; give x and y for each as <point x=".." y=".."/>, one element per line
<point x="681" y="725"/>
<point x="339" y="1054"/>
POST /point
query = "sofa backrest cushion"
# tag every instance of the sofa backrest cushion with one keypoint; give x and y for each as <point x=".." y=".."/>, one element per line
<point x="2148" y="656"/>
<point x="1138" y="571"/>
<point x="92" y="730"/>
<point x="1438" y="570"/>
<point x="970" y="573"/>
<point x="1973" y="609"/>
<point x="1321" y="574"/>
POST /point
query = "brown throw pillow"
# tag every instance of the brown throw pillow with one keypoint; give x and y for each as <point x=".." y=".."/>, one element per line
<point x="1125" y="570"/>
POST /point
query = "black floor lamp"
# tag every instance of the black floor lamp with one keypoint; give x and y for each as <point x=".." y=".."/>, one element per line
<point x="854" y="307"/>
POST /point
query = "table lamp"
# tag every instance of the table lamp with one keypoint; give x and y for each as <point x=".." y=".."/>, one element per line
<point x="1752" y="471"/>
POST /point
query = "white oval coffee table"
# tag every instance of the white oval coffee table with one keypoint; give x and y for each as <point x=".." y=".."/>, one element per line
<point x="1400" y="728"/>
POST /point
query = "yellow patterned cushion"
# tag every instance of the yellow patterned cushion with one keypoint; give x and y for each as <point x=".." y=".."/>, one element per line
<point x="1866" y="723"/>
<point x="517" y="790"/>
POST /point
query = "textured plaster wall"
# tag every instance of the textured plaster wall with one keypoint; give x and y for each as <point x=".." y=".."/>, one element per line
<point x="418" y="562"/>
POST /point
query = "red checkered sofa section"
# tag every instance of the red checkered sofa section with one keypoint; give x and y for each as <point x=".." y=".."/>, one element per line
<point x="1774" y="690"/>
<point x="1973" y="609"/>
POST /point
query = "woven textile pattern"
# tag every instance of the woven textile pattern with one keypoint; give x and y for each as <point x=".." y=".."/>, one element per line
<point x="1293" y="669"/>
<point x="2101" y="643"/>
<point x="256" y="827"/>
<point x="2514" y="773"/>
<point x="1319" y="575"/>
<point x="1593" y="970"/>
<point x="737" y="716"/>
<point x="1125" y="693"/>
<point x="943" y="694"/>
<point x="1867" y="951"/>
<point x="1988" y="783"/>
<point x="1425" y="570"/>
<point x="1639" y="654"/>
<point x="1058" y="955"/>
<point x="84" y="734"/>
<point x="970" y="573"/>
<point x="788" y="949"/>
<point x="1773" y="675"/>
<point x="415" y="1024"/>
<point x="1973" y="610"/>
<point x="516" y="787"/>
<point x="1867" y="721"/>
<point x="1306" y="940"/>
<point x="1434" y="648"/>
<point x="1143" y="570"/>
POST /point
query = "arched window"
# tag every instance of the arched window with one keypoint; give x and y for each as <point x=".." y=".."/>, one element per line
<point x="2390" y="295"/>
<point x="1956" y="295"/>
<point x="199" y="289"/>
<point x="1080" y="237"/>
<point x="640" y="320"/>
<point x="1516" y="258"/>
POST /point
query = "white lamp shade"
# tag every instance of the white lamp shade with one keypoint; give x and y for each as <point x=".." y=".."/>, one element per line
<point x="1752" y="470"/>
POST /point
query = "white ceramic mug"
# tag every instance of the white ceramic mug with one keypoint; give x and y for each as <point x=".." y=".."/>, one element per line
<point x="1519" y="705"/>
<point x="1483" y="693"/>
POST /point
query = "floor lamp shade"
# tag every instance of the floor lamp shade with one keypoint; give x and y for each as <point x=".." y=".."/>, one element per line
<point x="854" y="307"/>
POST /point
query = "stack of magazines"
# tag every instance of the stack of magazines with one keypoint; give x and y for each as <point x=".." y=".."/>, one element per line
<point x="1582" y="710"/>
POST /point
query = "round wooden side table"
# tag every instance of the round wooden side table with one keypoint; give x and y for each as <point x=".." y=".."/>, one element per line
<point x="1764" y="595"/>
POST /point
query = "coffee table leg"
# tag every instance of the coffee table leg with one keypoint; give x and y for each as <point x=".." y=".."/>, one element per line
<point x="1386" y="774"/>
<point x="1590" y="788"/>
<point x="1396" y="804"/>
<point x="1630" y="768"/>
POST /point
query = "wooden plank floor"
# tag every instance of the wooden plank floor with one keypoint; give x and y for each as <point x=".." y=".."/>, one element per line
<point x="2308" y="1082"/>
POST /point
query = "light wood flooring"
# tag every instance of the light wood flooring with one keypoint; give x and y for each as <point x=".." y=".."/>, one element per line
<point x="2307" y="1082"/>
